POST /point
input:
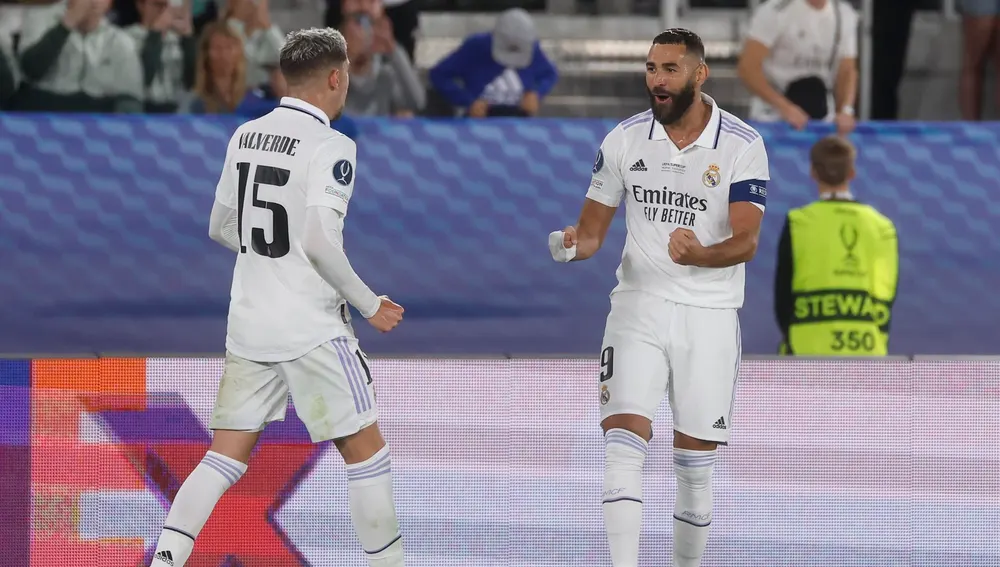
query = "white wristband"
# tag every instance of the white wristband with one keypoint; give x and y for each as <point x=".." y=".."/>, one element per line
<point x="559" y="252"/>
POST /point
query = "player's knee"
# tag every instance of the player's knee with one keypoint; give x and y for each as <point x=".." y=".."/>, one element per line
<point x="635" y="424"/>
<point x="683" y="441"/>
<point x="236" y="445"/>
<point x="624" y="449"/>
<point x="360" y="446"/>
<point x="625" y="454"/>
<point x="694" y="486"/>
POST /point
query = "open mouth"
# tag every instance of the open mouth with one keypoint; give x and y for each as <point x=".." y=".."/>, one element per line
<point x="662" y="98"/>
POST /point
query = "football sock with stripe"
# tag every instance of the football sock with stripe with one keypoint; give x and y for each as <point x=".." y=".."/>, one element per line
<point x="369" y="488"/>
<point x="625" y="453"/>
<point x="193" y="505"/>
<point x="693" y="509"/>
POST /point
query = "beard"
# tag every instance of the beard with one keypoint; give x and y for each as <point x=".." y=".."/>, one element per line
<point x="672" y="110"/>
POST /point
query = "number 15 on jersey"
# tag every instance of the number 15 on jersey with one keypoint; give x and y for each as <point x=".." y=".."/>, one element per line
<point x="275" y="177"/>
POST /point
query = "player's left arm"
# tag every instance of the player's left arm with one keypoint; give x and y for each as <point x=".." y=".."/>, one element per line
<point x="330" y="188"/>
<point x="747" y="199"/>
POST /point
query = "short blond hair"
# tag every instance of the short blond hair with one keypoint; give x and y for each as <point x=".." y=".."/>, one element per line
<point x="832" y="160"/>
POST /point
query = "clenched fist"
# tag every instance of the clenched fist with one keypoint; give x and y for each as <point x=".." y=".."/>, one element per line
<point x="389" y="315"/>
<point x="562" y="244"/>
<point x="684" y="247"/>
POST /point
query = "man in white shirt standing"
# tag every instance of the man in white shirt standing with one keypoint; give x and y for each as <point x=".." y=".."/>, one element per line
<point x="694" y="179"/>
<point x="280" y="206"/>
<point x="800" y="61"/>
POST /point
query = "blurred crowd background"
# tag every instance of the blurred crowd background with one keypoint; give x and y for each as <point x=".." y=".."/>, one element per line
<point x="784" y="65"/>
<point x="912" y="59"/>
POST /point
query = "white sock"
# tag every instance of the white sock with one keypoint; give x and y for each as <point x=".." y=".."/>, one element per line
<point x="193" y="505"/>
<point x="369" y="488"/>
<point x="693" y="510"/>
<point x="625" y="453"/>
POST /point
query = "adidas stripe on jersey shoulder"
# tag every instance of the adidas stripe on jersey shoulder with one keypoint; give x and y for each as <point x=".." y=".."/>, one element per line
<point x="636" y="120"/>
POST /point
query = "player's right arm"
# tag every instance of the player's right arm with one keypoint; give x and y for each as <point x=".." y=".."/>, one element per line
<point x="223" y="226"/>
<point x="329" y="190"/>
<point x="606" y="189"/>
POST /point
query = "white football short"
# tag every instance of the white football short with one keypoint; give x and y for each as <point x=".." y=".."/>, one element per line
<point x="655" y="347"/>
<point x="331" y="387"/>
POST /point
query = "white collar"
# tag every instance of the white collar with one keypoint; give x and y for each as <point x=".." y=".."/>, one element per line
<point x="845" y="195"/>
<point x="709" y="137"/>
<point x="303" y="106"/>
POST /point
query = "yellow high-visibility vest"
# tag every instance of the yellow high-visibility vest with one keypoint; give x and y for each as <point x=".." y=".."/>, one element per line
<point x="845" y="268"/>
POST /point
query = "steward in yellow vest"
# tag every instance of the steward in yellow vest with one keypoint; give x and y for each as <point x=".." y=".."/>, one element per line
<point x="837" y="268"/>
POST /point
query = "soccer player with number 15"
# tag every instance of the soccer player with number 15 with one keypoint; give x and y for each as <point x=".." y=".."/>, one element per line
<point x="694" y="179"/>
<point x="280" y="206"/>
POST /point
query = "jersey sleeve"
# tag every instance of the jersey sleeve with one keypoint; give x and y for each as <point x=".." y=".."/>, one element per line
<point x="226" y="190"/>
<point x="849" y="33"/>
<point x="765" y="25"/>
<point x="331" y="175"/>
<point x="751" y="175"/>
<point x="607" y="185"/>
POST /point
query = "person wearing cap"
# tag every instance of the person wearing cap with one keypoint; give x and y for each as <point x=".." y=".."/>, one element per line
<point x="498" y="73"/>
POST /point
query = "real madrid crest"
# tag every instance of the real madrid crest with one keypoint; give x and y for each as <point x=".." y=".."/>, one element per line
<point x="605" y="395"/>
<point x="711" y="177"/>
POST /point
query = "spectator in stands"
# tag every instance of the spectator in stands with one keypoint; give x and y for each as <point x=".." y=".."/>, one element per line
<point x="837" y="267"/>
<point x="8" y="74"/>
<point x="73" y="59"/>
<point x="168" y="50"/>
<point x="383" y="80"/>
<point x="503" y="73"/>
<point x="892" y="22"/>
<point x="980" y="25"/>
<point x="251" y="19"/>
<point x="220" y="74"/>
<point x="404" y="15"/>
<point x="800" y="62"/>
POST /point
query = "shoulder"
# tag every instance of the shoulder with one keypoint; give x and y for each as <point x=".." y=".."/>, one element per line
<point x="618" y="138"/>
<point x="846" y="9"/>
<point x="633" y="127"/>
<point x="881" y="219"/>
<point x="800" y="214"/>
<point x="121" y="38"/>
<point x="477" y="42"/>
<point x="774" y="7"/>
<point x="136" y="31"/>
<point x="330" y="143"/>
<point x="736" y="133"/>
<point x="634" y="121"/>
<point x="44" y="15"/>
<point x="848" y="14"/>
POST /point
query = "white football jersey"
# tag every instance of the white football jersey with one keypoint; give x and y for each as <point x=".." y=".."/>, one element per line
<point x="276" y="166"/>
<point x="666" y="189"/>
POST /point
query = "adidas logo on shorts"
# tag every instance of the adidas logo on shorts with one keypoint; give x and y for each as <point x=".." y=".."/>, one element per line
<point x="720" y="424"/>
<point x="638" y="166"/>
<point x="166" y="557"/>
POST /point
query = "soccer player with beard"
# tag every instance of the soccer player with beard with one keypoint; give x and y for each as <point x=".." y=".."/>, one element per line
<point x="694" y="179"/>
